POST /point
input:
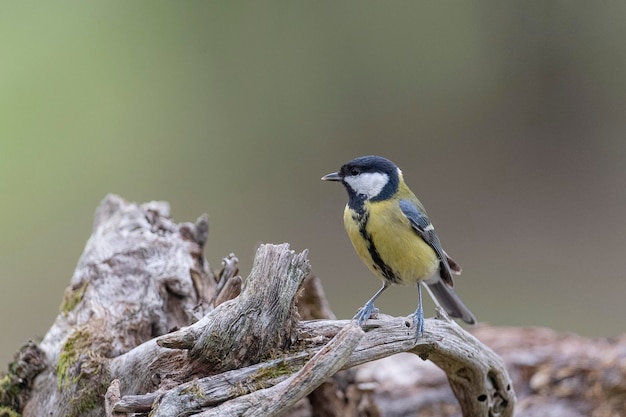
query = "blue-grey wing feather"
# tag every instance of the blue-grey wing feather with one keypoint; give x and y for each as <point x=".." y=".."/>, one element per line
<point x="420" y="223"/>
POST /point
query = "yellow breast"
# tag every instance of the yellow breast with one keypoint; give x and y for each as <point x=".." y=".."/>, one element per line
<point x="388" y="234"/>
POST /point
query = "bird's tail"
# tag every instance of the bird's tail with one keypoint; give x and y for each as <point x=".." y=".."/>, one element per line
<point x="447" y="298"/>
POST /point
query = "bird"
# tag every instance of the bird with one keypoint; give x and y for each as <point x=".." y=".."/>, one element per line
<point x="390" y="231"/>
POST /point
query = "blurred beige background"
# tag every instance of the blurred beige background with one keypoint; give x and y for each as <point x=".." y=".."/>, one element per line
<point x="508" y="121"/>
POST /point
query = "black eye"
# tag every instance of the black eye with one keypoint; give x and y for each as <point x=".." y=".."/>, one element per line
<point x="355" y="171"/>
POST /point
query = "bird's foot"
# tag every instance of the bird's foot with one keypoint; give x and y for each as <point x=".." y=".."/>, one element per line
<point x="367" y="312"/>
<point x="418" y="320"/>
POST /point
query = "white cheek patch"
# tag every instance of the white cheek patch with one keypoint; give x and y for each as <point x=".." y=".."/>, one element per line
<point x="369" y="184"/>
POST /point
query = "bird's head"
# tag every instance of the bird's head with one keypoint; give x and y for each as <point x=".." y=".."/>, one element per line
<point x="370" y="177"/>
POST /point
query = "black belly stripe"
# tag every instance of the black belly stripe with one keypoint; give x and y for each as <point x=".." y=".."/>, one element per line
<point x="379" y="264"/>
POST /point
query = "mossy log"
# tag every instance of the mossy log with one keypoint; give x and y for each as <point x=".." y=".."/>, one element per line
<point x="146" y="327"/>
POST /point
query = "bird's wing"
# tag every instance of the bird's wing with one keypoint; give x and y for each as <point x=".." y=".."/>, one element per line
<point x="424" y="228"/>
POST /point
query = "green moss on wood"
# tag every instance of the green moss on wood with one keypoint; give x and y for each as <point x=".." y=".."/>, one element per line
<point x="76" y="345"/>
<point x="9" y="393"/>
<point x="83" y="369"/>
<point x="8" y="412"/>
<point x="271" y="372"/>
<point x="73" y="295"/>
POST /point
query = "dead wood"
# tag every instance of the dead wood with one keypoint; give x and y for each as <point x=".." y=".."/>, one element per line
<point x="147" y="327"/>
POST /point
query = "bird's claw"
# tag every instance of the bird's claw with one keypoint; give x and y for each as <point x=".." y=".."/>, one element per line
<point x="367" y="312"/>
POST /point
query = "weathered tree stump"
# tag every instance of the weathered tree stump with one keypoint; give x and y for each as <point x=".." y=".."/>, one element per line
<point x="146" y="327"/>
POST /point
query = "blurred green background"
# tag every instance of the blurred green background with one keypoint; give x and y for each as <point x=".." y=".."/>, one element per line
<point x="508" y="121"/>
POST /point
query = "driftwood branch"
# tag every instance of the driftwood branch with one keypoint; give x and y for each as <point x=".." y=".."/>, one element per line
<point x="146" y="327"/>
<point x="474" y="367"/>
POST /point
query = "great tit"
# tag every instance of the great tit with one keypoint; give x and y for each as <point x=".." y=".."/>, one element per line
<point x="393" y="236"/>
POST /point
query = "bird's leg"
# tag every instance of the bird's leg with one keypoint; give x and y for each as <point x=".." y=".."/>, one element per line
<point x="418" y="317"/>
<point x="369" y="309"/>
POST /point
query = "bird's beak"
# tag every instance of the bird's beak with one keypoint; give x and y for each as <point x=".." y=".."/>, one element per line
<point x="334" y="176"/>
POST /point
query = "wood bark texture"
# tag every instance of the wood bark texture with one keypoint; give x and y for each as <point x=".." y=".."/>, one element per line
<point x="146" y="327"/>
